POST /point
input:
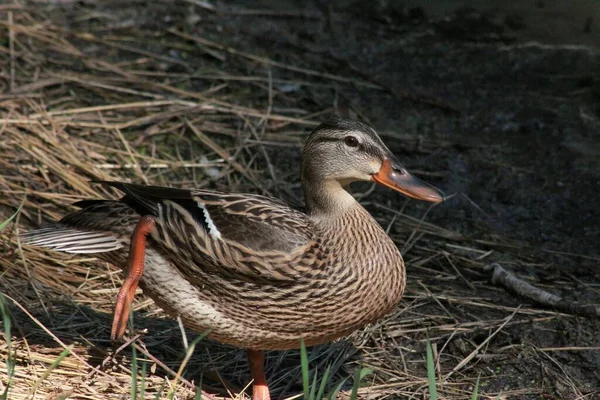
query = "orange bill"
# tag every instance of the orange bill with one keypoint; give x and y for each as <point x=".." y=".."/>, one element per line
<point x="399" y="179"/>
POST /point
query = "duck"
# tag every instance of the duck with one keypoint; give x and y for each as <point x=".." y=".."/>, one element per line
<point x="248" y="269"/>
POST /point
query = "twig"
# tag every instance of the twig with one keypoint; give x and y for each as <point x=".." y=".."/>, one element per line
<point x="503" y="278"/>
<point x="202" y="4"/>
<point x="111" y="107"/>
<point x="142" y="348"/>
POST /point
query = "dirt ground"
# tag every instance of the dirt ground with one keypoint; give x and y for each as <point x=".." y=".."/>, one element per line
<point x="496" y="103"/>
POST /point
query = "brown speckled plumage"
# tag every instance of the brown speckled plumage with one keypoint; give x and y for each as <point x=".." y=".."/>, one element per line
<point x="340" y="274"/>
<point x="253" y="271"/>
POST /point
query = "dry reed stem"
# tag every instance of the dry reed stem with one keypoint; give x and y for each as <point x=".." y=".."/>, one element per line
<point x="85" y="106"/>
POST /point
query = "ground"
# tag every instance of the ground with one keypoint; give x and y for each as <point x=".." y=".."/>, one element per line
<point x="497" y="104"/>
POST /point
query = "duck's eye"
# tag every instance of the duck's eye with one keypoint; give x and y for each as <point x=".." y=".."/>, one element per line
<point x="351" y="141"/>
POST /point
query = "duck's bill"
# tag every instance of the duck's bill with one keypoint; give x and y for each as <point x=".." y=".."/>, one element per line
<point x="399" y="179"/>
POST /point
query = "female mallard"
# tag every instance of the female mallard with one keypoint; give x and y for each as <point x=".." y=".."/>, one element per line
<point x="247" y="268"/>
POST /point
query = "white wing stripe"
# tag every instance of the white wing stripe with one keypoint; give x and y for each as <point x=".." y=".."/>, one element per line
<point x="212" y="228"/>
<point x="72" y="240"/>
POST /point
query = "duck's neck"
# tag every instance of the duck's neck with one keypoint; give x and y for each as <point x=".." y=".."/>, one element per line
<point x="328" y="198"/>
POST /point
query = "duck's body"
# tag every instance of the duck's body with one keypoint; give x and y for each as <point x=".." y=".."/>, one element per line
<point x="248" y="269"/>
<point x="214" y="284"/>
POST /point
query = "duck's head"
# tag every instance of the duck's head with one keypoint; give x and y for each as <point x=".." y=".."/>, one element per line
<point x="340" y="151"/>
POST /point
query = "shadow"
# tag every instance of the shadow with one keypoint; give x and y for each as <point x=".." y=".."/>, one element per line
<point x="220" y="368"/>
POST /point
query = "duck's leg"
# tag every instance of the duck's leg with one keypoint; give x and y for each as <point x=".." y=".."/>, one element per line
<point x="135" y="268"/>
<point x="260" y="389"/>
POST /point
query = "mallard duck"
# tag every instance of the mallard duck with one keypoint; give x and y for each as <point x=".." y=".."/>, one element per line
<point x="248" y="269"/>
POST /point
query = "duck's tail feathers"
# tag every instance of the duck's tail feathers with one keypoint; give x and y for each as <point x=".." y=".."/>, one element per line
<point x="72" y="240"/>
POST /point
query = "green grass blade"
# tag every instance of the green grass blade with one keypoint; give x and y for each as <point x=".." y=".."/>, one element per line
<point x="361" y="373"/>
<point x="186" y="359"/>
<point x="160" y="391"/>
<point x="10" y="357"/>
<point x="198" y="394"/>
<point x="134" y="372"/>
<point x="6" y="320"/>
<point x="334" y="395"/>
<point x="321" y="391"/>
<point x="475" y="394"/>
<point x="313" y="387"/>
<point x="431" y="373"/>
<point x="304" y="365"/>
<point x="5" y="223"/>
<point x="52" y="366"/>
<point x="143" y="382"/>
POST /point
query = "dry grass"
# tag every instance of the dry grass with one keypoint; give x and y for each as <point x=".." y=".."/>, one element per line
<point x="86" y="96"/>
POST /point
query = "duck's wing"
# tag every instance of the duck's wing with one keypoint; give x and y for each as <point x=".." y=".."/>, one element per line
<point x="257" y="222"/>
<point x="239" y="236"/>
<point x="243" y="236"/>
<point x="100" y="226"/>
